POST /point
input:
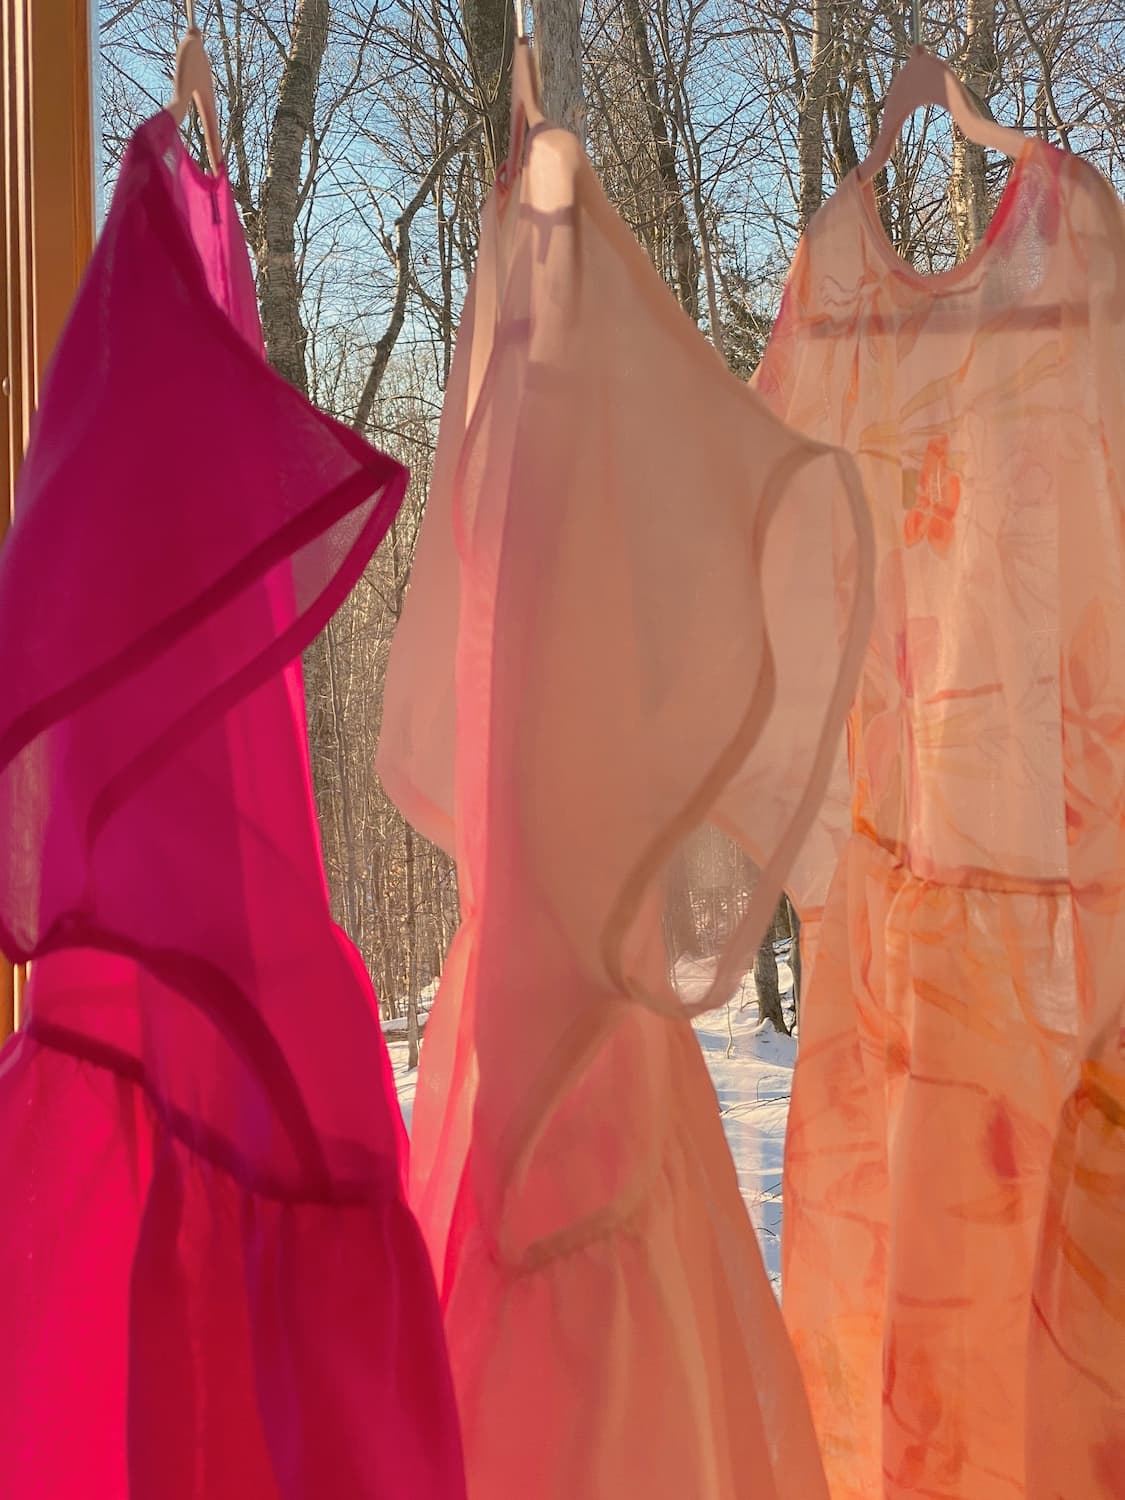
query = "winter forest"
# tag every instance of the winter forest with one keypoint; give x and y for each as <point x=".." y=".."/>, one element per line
<point x="361" y="140"/>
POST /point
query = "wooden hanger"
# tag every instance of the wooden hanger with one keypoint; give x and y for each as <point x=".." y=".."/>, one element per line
<point x="925" y="80"/>
<point x="194" y="84"/>
<point x="527" y="107"/>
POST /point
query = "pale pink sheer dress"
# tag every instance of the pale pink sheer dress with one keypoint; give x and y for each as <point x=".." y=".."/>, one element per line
<point x="973" y="936"/>
<point x="212" y="1287"/>
<point x="638" y="603"/>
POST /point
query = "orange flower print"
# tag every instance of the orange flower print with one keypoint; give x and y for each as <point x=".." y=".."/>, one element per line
<point x="1109" y="1466"/>
<point x="931" y="496"/>
<point x="1001" y="1140"/>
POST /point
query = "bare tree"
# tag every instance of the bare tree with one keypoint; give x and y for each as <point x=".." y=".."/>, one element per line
<point x="558" y="47"/>
<point x="815" y="84"/>
<point x="685" y="253"/>
<point x="490" y="28"/>
<point x="766" y="978"/>
<point x="279" y="288"/>
<point x="361" y="141"/>
<point x="968" y="184"/>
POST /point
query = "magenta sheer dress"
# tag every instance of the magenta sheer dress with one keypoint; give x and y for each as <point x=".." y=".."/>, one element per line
<point x="212" y="1286"/>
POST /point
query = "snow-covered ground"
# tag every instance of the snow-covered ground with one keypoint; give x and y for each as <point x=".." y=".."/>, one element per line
<point x="751" y="1067"/>
<point x="753" y="1085"/>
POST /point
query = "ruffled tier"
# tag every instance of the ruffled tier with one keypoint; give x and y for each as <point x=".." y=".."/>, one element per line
<point x="1076" y="1368"/>
<point x="169" y="1332"/>
<point x="670" y="1371"/>
<point x="937" y="1045"/>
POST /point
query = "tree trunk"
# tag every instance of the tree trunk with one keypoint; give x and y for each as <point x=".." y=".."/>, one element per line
<point x="685" y="256"/>
<point x="870" y="107"/>
<point x="765" y="980"/>
<point x="810" y="121"/>
<point x="558" y="50"/>
<point x="840" y="126"/>
<point x="490" y="30"/>
<point x="279" y="286"/>
<point x="968" y="187"/>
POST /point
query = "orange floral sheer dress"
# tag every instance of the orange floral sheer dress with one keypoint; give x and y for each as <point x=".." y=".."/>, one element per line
<point x="971" y="938"/>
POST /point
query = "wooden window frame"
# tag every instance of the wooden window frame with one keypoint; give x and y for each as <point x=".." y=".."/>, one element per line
<point x="47" y="218"/>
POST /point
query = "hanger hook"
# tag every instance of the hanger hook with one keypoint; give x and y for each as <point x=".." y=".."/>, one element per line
<point x="521" y="28"/>
<point x="915" y="23"/>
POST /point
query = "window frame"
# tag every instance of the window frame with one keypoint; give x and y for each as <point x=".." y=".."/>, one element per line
<point x="47" y="221"/>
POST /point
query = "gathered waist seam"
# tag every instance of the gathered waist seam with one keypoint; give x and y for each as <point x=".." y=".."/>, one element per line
<point x="964" y="877"/>
<point x="200" y="1139"/>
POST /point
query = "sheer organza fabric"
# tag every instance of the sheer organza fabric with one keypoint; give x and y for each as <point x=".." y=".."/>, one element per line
<point x="1076" y="1369"/>
<point x="208" y="1264"/>
<point x="972" y="937"/>
<point x="638" y="603"/>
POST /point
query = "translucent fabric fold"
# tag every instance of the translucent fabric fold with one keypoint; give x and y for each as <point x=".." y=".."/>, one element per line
<point x="1076" y="1366"/>
<point x="638" y="605"/>
<point x="205" y="1243"/>
<point x="971" y="941"/>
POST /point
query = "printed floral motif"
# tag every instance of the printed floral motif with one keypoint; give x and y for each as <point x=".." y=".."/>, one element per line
<point x="931" y="496"/>
<point x="1001" y="1144"/>
<point x="1076" y="1368"/>
<point x="1093" y="725"/>
<point x="902" y="662"/>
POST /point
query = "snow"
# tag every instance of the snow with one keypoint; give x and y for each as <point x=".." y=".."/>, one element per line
<point x="751" y="1066"/>
<point x="405" y="1082"/>
<point x="753" y="1086"/>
